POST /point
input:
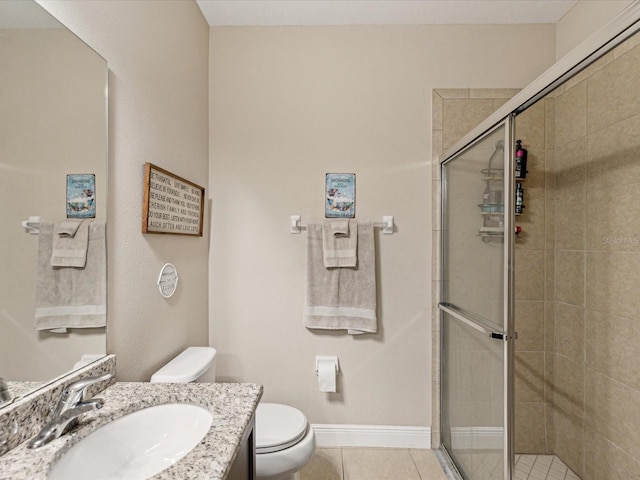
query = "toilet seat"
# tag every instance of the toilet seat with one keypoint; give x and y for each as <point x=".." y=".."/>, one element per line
<point x="278" y="427"/>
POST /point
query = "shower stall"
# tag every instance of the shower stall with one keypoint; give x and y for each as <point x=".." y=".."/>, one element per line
<point x="539" y="279"/>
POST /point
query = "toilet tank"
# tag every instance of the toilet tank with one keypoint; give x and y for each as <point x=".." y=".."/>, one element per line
<point x="195" y="364"/>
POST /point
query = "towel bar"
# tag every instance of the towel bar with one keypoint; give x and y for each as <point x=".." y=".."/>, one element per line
<point x="386" y="225"/>
<point x="32" y="225"/>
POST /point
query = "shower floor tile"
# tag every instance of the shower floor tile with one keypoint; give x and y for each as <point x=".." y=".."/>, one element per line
<point x="542" y="467"/>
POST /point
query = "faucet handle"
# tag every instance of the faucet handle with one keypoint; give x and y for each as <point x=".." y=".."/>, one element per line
<point x="74" y="392"/>
<point x="82" y="384"/>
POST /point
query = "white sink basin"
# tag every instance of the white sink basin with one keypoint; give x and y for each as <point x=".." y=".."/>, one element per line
<point x="136" y="446"/>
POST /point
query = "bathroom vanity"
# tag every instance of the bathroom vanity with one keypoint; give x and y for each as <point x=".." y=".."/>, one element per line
<point x="227" y="451"/>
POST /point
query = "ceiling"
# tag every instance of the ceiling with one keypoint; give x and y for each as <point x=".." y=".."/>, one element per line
<point x="381" y="12"/>
<point x="20" y="14"/>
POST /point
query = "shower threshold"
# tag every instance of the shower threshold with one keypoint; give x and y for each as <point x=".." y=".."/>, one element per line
<point x="542" y="467"/>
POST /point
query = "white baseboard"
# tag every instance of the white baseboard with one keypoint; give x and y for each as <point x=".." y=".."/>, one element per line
<point x="372" y="436"/>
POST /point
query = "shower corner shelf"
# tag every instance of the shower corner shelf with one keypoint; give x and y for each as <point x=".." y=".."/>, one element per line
<point x="492" y="212"/>
<point x="491" y="208"/>
<point x="487" y="178"/>
<point x="494" y="232"/>
<point x="492" y="173"/>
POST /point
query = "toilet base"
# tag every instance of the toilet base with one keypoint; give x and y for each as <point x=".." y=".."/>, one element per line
<point x="284" y="464"/>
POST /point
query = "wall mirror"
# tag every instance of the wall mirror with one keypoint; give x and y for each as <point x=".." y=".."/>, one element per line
<point x="53" y="122"/>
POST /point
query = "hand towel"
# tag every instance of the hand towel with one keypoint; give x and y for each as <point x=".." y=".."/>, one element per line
<point x="66" y="228"/>
<point x="341" y="298"/>
<point x="69" y="297"/>
<point x="340" y="243"/>
<point x="339" y="228"/>
<point x="70" y="242"/>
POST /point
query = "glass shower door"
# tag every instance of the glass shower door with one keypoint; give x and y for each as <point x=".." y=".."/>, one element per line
<point x="476" y="310"/>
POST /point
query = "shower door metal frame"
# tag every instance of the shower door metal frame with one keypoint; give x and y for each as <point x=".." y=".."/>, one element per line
<point x="622" y="27"/>
<point x="507" y="335"/>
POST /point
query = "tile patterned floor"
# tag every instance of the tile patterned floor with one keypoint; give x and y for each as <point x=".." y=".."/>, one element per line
<point x="481" y="464"/>
<point x="372" y="464"/>
<point x="542" y="467"/>
<point x="413" y="464"/>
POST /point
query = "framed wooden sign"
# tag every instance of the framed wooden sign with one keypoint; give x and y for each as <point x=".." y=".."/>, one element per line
<point x="171" y="204"/>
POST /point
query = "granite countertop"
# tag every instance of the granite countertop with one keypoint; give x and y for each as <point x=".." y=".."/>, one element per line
<point x="233" y="404"/>
<point x="18" y="389"/>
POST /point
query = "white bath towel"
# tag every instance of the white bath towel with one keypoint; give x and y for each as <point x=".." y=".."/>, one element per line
<point x="70" y="242"/>
<point x="70" y="297"/>
<point x="341" y="298"/>
<point x="340" y="243"/>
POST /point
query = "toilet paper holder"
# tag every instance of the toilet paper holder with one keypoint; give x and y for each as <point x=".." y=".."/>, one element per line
<point x="329" y="358"/>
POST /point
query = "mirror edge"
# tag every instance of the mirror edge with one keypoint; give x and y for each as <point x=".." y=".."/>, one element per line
<point x="14" y="400"/>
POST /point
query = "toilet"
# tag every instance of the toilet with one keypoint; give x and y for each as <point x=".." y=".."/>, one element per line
<point x="284" y="439"/>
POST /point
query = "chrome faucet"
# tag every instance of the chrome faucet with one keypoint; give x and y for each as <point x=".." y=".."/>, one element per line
<point x="72" y="404"/>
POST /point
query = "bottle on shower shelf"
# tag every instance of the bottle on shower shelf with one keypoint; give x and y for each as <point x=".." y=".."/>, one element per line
<point x="521" y="161"/>
<point x="519" y="199"/>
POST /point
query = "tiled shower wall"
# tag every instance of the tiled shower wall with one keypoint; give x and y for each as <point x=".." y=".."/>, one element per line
<point x="597" y="268"/>
<point x="577" y="264"/>
<point x="534" y="321"/>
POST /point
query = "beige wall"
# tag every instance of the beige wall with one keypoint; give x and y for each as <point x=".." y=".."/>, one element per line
<point x="157" y="53"/>
<point x="289" y="105"/>
<point x="582" y="20"/>
<point x="53" y="117"/>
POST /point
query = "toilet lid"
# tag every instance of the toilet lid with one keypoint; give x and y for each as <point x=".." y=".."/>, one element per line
<point x="278" y="427"/>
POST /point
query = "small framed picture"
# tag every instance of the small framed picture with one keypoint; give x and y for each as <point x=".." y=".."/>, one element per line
<point x="81" y="196"/>
<point x="340" y="195"/>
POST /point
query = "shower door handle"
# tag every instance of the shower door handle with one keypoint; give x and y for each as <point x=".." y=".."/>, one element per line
<point x="455" y="312"/>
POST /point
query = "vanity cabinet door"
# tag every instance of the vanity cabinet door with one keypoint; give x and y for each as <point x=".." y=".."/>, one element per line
<point x="244" y="466"/>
